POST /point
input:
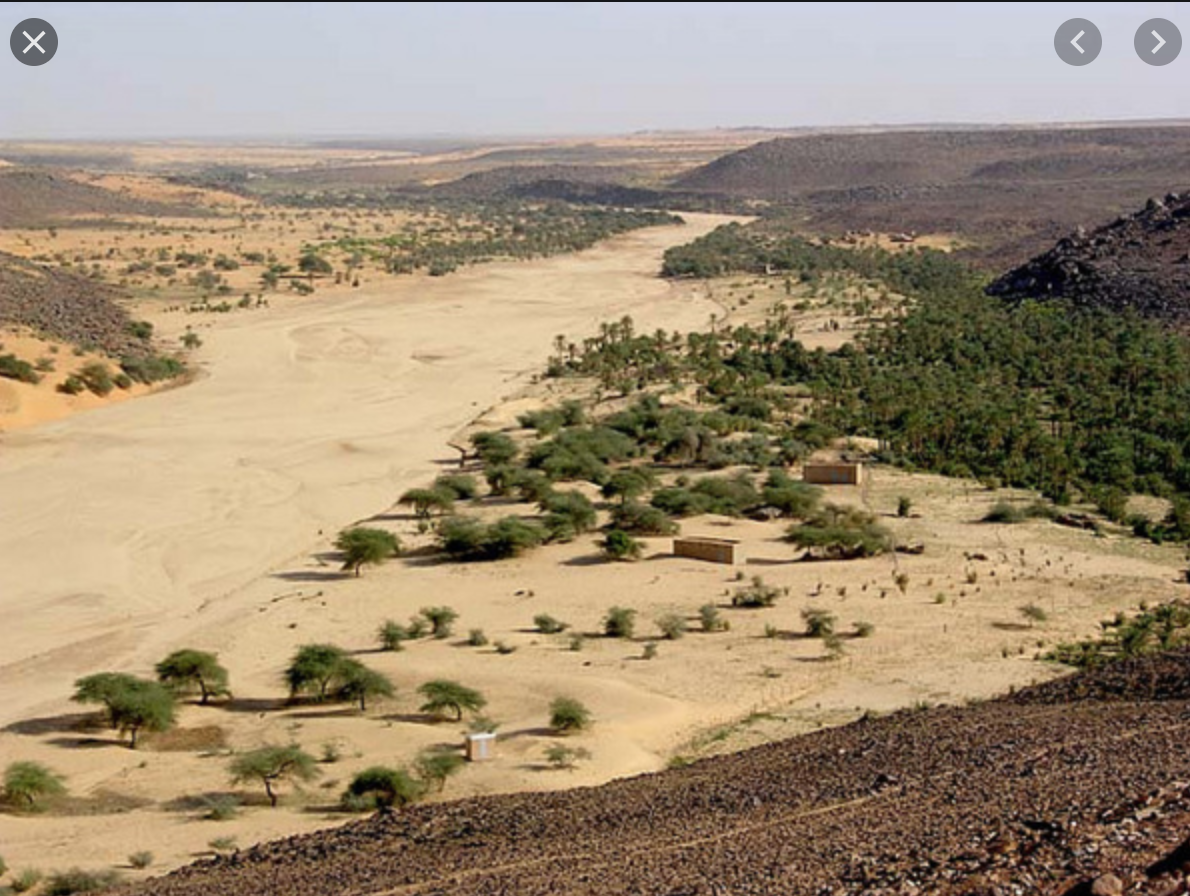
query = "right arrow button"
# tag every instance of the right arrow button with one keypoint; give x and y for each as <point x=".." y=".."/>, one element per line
<point x="1158" y="42"/>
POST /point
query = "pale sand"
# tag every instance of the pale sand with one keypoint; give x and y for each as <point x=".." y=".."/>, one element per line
<point x="192" y="519"/>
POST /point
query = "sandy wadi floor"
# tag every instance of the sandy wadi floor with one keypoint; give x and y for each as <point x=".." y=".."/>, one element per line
<point x="203" y="517"/>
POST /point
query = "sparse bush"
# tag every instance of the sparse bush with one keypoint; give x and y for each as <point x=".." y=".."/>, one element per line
<point x="1003" y="512"/>
<point x="330" y="753"/>
<point x="620" y="622"/>
<point x="72" y="385"/>
<point x="1033" y="614"/>
<point x="13" y="368"/>
<point x="461" y="485"/>
<point x="564" y="757"/>
<point x="576" y="642"/>
<point x="190" y="340"/>
<point x="391" y="635"/>
<point x="819" y="623"/>
<point x="97" y="378"/>
<point x="672" y="626"/>
<point x="641" y="519"/>
<point x="619" y="545"/>
<point x="629" y="484"/>
<point x="477" y="638"/>
<point x="650" y="650"/>
<point x="548" y="625"/>
<point x="841" y="533"/>
<point x="271" y="765"/>
<point x="567" y="514"/>
<point x="418" y="627"/>
<point x="771" y="631"/>
<point x="711" y="619"/>
<point x="864" y="629"/>
<point x="141" y="860"/>
<point x="65" y="883"/>
<point x="904" y="506"/>
<point x="834" y="646"/>
<point x="568" y="714"/>
<point x="494" y="448"/>
<point x="466" y="538"/>
<point x="435" y="766"/>
<point x="441" y="621"/>
<point x="222" y="844"/>
<point x="25" y="880"/>
<point x="221" y="807"/>
<point x="381" y="787"/>
<point x="504" y="648"/>
<point x="442" y="694"/>
<point x="28" y="784"/>
<point x="425" y="501"/>
<point x="361" y="544"/>
<point x="755" y="595"/>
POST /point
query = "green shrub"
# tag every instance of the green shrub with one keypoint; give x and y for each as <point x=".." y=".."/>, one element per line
<point x="97" y="378"/>
<point x="619" y="545"/>
<point x="755" y="595"/>
<point x="25" y="880"/>
<point x="441" y="621"/>
<point x="841" y="533"/>
<point x="65" y="883"/>
<point x="391" y="634"/>
<point x="680" y="502"/>
<point x="563" y="757"/>
<point x="152" y="368"/>
<point x="466" y="538"/>
<point x="141" y="860"/>
<point x="672" y="626"/>
<point x="641" y="519"/>
<point x="461" y="485"/>
<point x="435" y="766"/>
<point x="221" y="807"/>
<point x="819" y="623"/>
<point x="728" y="496"/>
<point x="72" y="385"/>
<point x="13" y="368"/>
<point x="572" y="508"/>
<point x="494" y="448"/>
<point x="568" y="714"/>
<point x="28" y="784"/>
<point x="363" y="545"/>
<point x="477" y="638"/>
<point x="381" y="787"/>
<point x="711" y="619"/>
<point x="1003" y="512"/>
<point x="620" y="622"/>
<point x="425" y="501"/>
<point x="628" y="484"/>
<point x="791" y="497"/>
<point x="548" y="625"/>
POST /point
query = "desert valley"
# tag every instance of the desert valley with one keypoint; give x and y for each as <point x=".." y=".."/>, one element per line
<point x="394" y="442"/>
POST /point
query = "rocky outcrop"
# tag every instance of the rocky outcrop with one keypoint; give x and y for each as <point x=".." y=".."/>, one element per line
<point x="1138" y="263"/>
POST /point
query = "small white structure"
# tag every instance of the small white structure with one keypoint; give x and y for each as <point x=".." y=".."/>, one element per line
<point x="481" y="746"/>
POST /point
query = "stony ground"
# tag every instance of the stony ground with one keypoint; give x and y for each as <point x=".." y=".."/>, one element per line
<point x="1078" y="786"/>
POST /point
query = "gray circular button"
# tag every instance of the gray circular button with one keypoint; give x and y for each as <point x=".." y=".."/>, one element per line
<point x="1078" y="41"/>
<point x="1158" y="42"/>
<point x="34" y="42"/>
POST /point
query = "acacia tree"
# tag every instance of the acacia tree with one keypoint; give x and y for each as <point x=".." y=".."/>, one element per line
<point x="361" y="545"/>
<point x="27" y="782"/>
<point x="357" y="682"/>
<point x="313" y="669"/>
<point x="132" y="704"/>
<point x="425" y="501"/>
<point x="435" y="766"/>
<point x="271" y="765"/>
<point x="441" y="694"/>
<point x="186" y="670"/>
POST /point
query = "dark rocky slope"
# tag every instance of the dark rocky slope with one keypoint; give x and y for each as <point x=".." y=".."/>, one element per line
<point x="1042" y="792"/>
<point x="1139" y="262"/>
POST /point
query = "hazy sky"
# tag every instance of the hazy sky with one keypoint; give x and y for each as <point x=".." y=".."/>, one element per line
<point x="407" y="69"/>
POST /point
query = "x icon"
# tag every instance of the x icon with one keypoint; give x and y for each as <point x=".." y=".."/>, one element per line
<point x="33" y="42"/>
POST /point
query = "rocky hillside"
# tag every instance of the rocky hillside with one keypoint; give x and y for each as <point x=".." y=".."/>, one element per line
<point x="1140" y="262"/>
<point x="1077" y="787"/>
<point x="64" y="306"/>
<point x="40" y="198"/>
